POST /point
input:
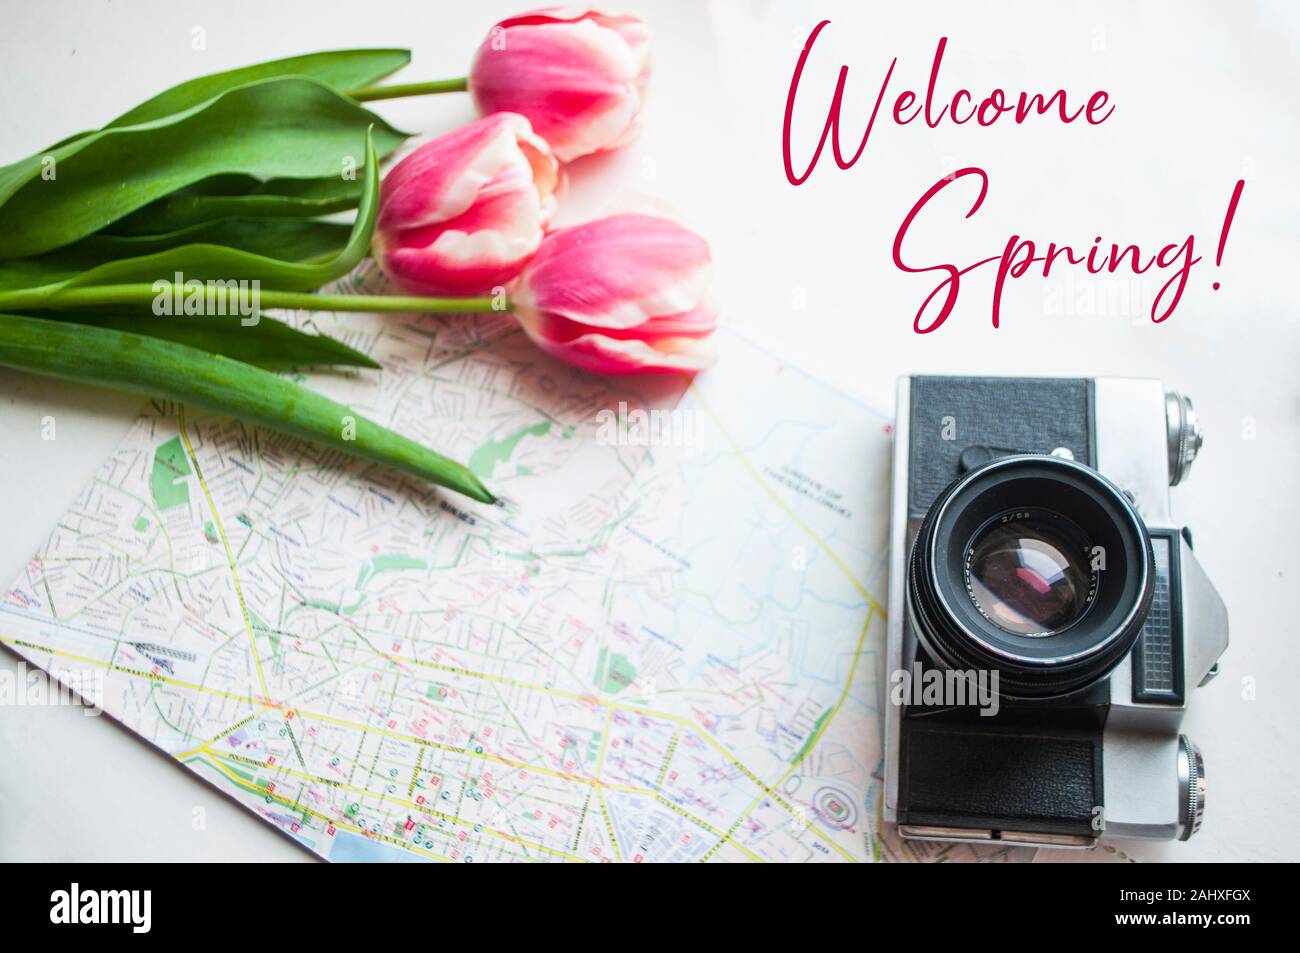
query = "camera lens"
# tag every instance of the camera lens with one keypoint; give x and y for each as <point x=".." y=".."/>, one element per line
<point x="1032" y="566"/>
<point x="1028" y="573"/>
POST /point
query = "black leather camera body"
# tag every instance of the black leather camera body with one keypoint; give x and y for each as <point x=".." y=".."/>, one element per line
<point x="1047" y="618"/>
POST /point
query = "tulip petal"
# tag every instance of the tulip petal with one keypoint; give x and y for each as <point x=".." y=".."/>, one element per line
<point x="462" y="214"/>
<point x="623" y="295"/>
<point x="617" y="272"/>
<point x="442" y="178"/>
<point x="701" y="322"/>
<point x="578" y="75"/>
<point x="479" y="249"/>
<point x="629" y="26"/>
<point x="607" y="355"/>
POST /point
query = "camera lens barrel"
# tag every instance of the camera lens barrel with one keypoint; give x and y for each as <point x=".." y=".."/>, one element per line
<point x="1033" y="566"/>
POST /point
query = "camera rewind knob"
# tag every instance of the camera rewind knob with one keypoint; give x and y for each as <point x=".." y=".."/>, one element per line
<point x="1191" y="788"/>
<point x="1184" y="435"/>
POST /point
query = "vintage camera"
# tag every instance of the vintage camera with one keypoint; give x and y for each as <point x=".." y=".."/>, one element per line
<point x="1032" y="548"/>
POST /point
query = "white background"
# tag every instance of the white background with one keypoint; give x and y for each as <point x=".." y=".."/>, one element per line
<point x="1204" y="95"/>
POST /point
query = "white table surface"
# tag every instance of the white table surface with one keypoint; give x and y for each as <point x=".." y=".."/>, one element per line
<point x="1204" y="94"/>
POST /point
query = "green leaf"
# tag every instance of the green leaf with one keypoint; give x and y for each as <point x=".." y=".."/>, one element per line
<point x="295" y="128"/>
<point x="276" y="198"/>
<point x="203" y="262"/>
<point x="268" y="343"/>
<point x="288" y="240"/>
<point x="342" y="70"/>
<point x="190" y="376"/>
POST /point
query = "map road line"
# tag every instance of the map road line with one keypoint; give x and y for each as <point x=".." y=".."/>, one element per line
<point x="230" y="558"/>
<point x="821" y="543"/>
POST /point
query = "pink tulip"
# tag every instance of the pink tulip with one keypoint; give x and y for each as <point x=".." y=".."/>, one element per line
<point x="577" y="74"/>
<point x="622" y="295"/>
<point x="461" y="214"/>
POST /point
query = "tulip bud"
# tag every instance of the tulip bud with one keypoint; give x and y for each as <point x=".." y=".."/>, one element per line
<point x="621" y="295"/>
<point x="577" y="74"/>
<point x="462" y="213"/>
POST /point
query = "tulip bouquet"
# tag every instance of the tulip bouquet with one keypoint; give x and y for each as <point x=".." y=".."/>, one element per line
<point x="140" y="255"/>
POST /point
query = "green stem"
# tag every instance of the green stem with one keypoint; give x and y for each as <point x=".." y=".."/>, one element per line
<point x="398" y="90"/>
<point x="226" y="300"/>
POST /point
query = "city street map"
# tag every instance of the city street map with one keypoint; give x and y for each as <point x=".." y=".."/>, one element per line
<point x="663" y="644"/>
